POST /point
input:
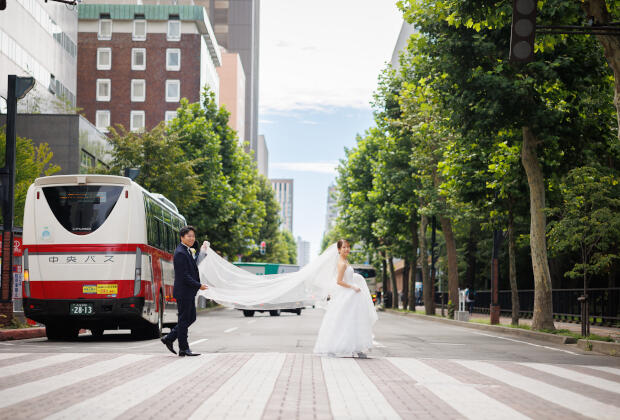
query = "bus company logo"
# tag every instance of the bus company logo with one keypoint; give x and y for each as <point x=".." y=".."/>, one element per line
<point x="81" y="259"/>
<point x="89" y="289"/>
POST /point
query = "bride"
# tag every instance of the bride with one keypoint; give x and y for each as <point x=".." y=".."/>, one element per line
<point x="346" y="329"/>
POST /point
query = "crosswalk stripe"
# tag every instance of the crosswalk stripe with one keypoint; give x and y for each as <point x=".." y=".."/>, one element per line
<point x="114" y="402"/>
<point x="29" y="390"/>
<point x="464" y="398"/>
<point x="39" y="363"/>
<point x="4" y="356"/>
<point x="351" y="393"/>
<point x="571" y="400"/>
<point x="607" y="369"/>
<point x="245" y="395"/>
<point x="576" y="376"/>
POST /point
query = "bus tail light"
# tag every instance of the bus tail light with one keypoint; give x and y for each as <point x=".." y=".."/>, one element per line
<point x="26" y="274"/>
<point x="138" y="275"/>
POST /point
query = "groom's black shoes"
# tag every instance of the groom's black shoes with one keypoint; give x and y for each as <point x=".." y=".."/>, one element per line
<point x="187" y="352"/>
<point x="168" y="344"/>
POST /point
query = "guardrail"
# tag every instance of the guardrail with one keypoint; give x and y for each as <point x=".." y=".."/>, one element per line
<point x="604" y="304"/>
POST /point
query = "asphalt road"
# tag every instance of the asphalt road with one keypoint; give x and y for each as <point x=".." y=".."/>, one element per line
<point x="227" y="331"/>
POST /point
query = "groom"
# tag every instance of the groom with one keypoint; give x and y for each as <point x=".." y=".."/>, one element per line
<point x="186" y="285"/>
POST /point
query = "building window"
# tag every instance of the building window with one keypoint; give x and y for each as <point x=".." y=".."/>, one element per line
<point x="138" y="59"/>
<point x="105" y="29"/>
<point x="139" y="30"/>
<point x="102" y="120"/>
<point x="173" y="90"/>
<point x="86" y="159"/>
<point x="138" y="90"/>
<point x="104" y="89"/>
<point x="170" y="115"/>
<point x="136" y="121"/>
<point x="104" y="58"/>
<point x="173" y="59"/>
<point x="174" y="30"/>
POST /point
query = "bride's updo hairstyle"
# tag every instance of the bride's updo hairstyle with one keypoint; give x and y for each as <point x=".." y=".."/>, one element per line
<point x="342" y="242"/>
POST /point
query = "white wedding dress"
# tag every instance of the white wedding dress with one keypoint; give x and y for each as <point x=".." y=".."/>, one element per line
<point x="347" y="325"/>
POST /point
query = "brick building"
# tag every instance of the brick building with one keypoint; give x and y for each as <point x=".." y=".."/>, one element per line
<point x="136" y="62"/>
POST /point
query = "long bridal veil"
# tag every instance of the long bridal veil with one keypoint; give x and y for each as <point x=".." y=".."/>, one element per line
<point x="232" y="286"/>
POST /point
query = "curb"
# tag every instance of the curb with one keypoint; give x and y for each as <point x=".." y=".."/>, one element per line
<point x="605" y="347"/>
<point x="22" y="333"/>
<point x="536" y="335"/>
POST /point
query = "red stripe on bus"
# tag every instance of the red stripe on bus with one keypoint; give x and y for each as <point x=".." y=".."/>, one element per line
<point x="74" y="289"/>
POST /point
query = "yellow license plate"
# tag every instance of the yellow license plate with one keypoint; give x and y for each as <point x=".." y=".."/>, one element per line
<point x="107" y="289"/>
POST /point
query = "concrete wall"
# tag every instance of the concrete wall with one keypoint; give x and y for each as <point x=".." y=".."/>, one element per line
<point x="232" y="91"/>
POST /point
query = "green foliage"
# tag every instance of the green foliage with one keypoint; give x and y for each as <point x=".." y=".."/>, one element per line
<point x="31" y="162"/>
<point x="588" y="221"/>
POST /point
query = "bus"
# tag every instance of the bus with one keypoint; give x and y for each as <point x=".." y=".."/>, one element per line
<point x="98" y="255"/>
<point x="261" y="269"/>
<point x="370" y="275"/>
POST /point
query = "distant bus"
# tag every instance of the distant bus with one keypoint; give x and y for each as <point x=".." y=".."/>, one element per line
<point x="370" y="275"/>
<point x="98" y="255"/>
<point x="261" y="269"/>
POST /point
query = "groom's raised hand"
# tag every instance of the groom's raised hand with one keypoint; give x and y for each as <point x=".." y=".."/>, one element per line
<point x="205" y="246"/>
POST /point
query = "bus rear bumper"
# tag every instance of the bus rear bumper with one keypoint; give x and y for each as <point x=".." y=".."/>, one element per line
<point x="118" y="312"/>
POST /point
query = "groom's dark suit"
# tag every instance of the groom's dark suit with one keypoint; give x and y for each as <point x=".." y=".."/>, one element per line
<point x="186" y="285"/>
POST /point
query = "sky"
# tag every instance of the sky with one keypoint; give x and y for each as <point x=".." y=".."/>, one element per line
<point x="319" y="63"/>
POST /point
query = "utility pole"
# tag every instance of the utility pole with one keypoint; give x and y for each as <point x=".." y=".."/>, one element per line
<point x="18" y="87"/>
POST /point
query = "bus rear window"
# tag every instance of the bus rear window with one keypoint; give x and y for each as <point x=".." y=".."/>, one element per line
<point x="82" y="209"/>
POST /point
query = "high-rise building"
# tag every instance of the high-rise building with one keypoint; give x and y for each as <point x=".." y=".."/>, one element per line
<point x="262" y="156"/>
<point x="236" y="26"/>
<point x="232" y="91"/>
<point x="406" y="30"/>
<point x="303" y="252"/>
<point x="137" y="61"/>
<point x="332" y="208"/>
<point x="39" y="39"/>
<point x="284" y="195"/>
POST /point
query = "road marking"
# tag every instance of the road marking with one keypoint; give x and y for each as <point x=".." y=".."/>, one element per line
<point x="39" y="363"/>
<point x="252" y="321"/>
<point x="377" y="344"/>
<point x="231" y="329"/>
<point x="447" y="344"/>
<point x="16" y="394"/>
<point x="199" y="341"/>
<point x="576" y="376"/>
<point x="525" y="342"/>
<point x="144" y="345"/>
<point x="4" y="356"/>
<point x="563" y="397"/>
<point x="245" y="394"/>
<point x="607" y="369"/>
<point x="351" y="393"/>
<point x="117" y="400"/>
<point x="464" y="398"/>
<point x="7" y="344"/>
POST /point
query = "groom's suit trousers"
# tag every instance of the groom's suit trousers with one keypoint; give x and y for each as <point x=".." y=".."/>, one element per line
<point x="187" y="316"/>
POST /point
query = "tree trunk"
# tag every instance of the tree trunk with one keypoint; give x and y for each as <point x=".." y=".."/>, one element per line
<point x="611" y="46"/>
<point x="543" y="307"/>
<point x="405" y="297"/>
<point x="394" y="285"/>
<point x="414" y="265"/>
<point x="512" y="269"/>
<point x="384" y="279"/>
<point x="472" y="248"/>
<point x="453" y="269"/>
<point x="427" y="287"/>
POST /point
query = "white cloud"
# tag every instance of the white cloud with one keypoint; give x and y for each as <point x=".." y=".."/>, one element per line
<point x="324" y="53"/>
<point x="319" y="167"/>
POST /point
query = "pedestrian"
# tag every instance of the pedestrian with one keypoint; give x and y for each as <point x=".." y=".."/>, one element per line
<point x="470" y="298"/>
<point x="186" y="285"/>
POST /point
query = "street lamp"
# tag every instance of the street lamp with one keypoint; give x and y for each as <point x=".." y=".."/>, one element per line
<point x="18" y="87"/>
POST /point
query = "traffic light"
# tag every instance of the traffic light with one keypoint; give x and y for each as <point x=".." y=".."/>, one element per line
<point x="523" y="30"/>
<point x="2" y="4"/>
<point x="263" y="247"/>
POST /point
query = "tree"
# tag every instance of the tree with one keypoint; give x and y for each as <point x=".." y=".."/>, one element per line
<point x="31" y="162"/>
<point x="163" y="165"/>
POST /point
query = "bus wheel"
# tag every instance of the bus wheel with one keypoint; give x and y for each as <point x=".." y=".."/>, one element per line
<point x="297" y="311"/>
<point x="275" y="313"/>
<point x="97" y="332"/>
<point x="57" y="332"/>
<point x="248" y="313"/>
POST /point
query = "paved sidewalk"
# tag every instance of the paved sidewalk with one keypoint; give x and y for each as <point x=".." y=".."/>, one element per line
<point x="506" y="320"/>
<point x="298" y="386"/>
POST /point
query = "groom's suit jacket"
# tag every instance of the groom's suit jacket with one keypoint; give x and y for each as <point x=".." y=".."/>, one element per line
<point x="186" y="276"/>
